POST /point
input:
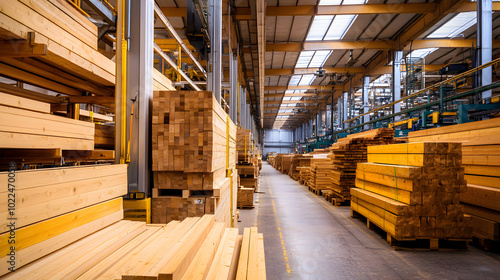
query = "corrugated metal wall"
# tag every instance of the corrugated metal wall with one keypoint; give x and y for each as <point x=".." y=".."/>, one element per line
<point x="278" y="141"/>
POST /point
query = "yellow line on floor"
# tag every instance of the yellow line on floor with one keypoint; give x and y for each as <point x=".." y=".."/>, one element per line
<point x="279" y="230"/>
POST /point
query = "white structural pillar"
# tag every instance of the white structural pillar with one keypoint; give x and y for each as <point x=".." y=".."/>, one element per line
<point x="484" y="42"/>
<point x="233" y="81"/>
<point x="366" y="104"/>
<point x="215" y="56"/>
<point x="319" y="124"/>
<point x="140" y="88"/>
<point x="310" y="128"/>
<point x="339" y="112"/>
<point x="345" y="110"/>
<point x="396" y="82"/>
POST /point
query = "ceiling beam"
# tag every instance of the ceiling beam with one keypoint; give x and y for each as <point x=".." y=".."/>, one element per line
<point x="304" y="71"/>
<point x="374" y="45"/>
<point x="312" y="10"/>
<point x="321" y="88"/>
<point x="261" y="6"/>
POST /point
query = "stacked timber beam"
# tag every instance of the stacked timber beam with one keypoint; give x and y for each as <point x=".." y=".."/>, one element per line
<point x="481" y="161"/>
<point x="271" y="158"/>
<point x="248" y="168"/>
<point x="196" y="248"/>
<point x="349" y="151"/>
<point x="53" y="207"/>
<point x="298" y="162"/>
<point x="194" y="146"/>
<point x="286" y="163"/>
<point x="412" y="192"/>
<point x="319" y="176"/>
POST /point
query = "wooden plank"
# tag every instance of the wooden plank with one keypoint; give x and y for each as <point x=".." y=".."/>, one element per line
<point x="482" y="212"/>
<point x="427" y="160"/>
<point x="183" y="254"/>
<point x="124" y="251"/>
<point x="161" y="82"/>
<point x="44" y="70"/>
<point x="24" y="103"/>
<point x="388" y="204"/>
<point x="39" y="232"/>
<point x="253" y="255"/>
<point x="198" y="269"/>
<point x="30" y="141"/>
<point x="241" y="274"/>
<point x="75" y="259"/>
<point x="385" y="169"/>
<point x="484" y="228"/>
<point x="481" y="160"/>
<point x="36" y="203"/>
<point x="416" y="148"/>
<point x="486" y="197"/>
<point x="482" y="170"/>
<point x="456" y="128"/>
<point x="75" y="155"/>
<point x="483" y="181"/>
<point x="21" y="49"/>
<point x="261" y="267"/>
<point x="488" y="150"/>
<point x="95" y="116"/>
<point x="23" y="76"/>
<point x="50" y="245"/>
<point x="221" y="266"/>
<point x="33" y="95"/>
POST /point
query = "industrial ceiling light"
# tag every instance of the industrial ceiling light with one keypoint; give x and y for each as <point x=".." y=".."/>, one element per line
<point x="321" y="73"/>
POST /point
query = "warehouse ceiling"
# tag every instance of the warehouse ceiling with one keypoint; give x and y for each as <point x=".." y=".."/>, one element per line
<point x="348" y="38"/>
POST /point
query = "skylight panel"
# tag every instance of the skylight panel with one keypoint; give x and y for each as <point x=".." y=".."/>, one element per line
<point x="319" y="27"/>
<point x="287" y="98"/>
<point x="304" y="59"/>
<point x="306" y="80"/>
<point x="296" y="98"/>
<point x="294" y="80"/>
<point x="455" y="26"/>
<point x="421" y="53"/>
<point x="339" y="27"/>
<point x="330" y="2"/>
<point x="319" y="58"/>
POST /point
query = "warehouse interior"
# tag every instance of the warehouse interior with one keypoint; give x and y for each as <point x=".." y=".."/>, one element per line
<point x="250" y="139"/>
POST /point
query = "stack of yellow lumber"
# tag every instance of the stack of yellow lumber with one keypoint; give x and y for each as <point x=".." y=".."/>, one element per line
<point x="51" y="208"/>
<point x="194" y="144"/>
<point x="286" y="163"/>
<point x="245" y="197"/>
<point x="304" y="175"/>
<point x="412" y="191"/>
<point x="319" y="176"/>
<point x="196" y="248"/>
<point x="347" y="152"/>
<point x="244" y="144"/>
<point x="481" y="161"/>
<point x="299" y="160"/>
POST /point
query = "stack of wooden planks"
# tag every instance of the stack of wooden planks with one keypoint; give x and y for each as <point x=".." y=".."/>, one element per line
<point x="28" y="124"/>
<point x="298" y="161"/>
<point x="319" y="176"/>
<point x="286" y="163"/>
<point x="304" y="175"/>
<point x="196" y="248"/>
<point x="244" y="144"/>
<point x="412" y="191"/>
<point x="54" y="207"/>
<point x="481" y="161"/>
<point x="194" y="145"/>
<point x="349" y="151"/>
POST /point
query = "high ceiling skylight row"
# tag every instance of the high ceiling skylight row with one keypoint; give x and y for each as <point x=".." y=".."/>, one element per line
<point x="421" y="53"/>
<point x="455" y="26"/>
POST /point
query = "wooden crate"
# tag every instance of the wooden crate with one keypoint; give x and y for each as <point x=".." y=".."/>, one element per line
<point x="249" y="182"/>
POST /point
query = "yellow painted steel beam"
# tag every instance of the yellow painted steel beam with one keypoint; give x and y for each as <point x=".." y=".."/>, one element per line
<point x="374" y="45"/>
<point x="321" y="88"/>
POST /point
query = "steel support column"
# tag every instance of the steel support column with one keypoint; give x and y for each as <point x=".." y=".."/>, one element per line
<point x="345" y="110"/>
<point x="215" y="57"/>
<point x="396" y="82"/>
<point x="233" y="81"/>
<point x="366" y="104"/>
<point x="140" y="88"/>
<point x="484" y="42"/>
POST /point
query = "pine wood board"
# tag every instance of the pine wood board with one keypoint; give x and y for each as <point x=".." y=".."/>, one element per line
<point x="24" y="103"/>
<point x="493" y="182"/>
<point x="402" y="171"/>
<point x="198" y="269"/>
<point x="76" y="258"/>
<point x="224" y="257"/>
<point x="50" y="245"/>
<point x="483" y="196"/>
<point x="484" y="228"/>
<point x="416" y="148"/>
<point x="161" y="82"/>
<point x="482" y="212"/>
<point x="491" y="160"/>
<point x="430" y="160"/>
<point x="456" y="128"/>
<point x="487" y="150"/>
<point x="483" y="170"/>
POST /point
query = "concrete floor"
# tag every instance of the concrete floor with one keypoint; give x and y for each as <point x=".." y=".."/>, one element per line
<point x="307" y="238"/>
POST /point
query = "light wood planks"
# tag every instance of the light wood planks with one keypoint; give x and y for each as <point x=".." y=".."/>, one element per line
<point x="46" y="193"/>
<point x="24" y="103"/>
<point x="34" y="130"/>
